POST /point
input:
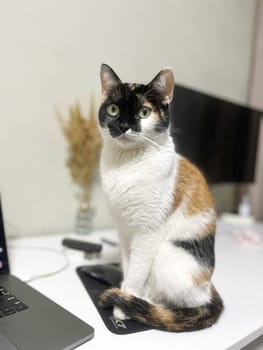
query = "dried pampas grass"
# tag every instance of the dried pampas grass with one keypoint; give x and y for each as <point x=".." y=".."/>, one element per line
<point x="84" y="146"/>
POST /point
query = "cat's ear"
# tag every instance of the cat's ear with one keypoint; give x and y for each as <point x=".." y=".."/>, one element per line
<point x="109" y="79"/>
<point x="164" y="84"/>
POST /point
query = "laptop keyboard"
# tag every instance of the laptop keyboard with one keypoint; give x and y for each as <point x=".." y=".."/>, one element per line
<point x="9" y="304"/>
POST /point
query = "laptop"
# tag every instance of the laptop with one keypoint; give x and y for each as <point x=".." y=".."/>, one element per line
<point x="28" y="319"/>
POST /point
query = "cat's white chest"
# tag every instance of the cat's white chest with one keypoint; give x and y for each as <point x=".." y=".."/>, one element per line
<point x="139" y="192"/>
<point x="129" y="192"/>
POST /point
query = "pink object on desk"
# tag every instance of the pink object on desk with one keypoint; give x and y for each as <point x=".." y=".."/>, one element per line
<point x="247" y="235"/>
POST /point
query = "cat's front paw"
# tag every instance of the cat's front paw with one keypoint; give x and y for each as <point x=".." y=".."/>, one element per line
<point x="119" y="314"/>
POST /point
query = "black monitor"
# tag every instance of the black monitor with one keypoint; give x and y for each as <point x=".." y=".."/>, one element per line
<point x="219" y="136"/>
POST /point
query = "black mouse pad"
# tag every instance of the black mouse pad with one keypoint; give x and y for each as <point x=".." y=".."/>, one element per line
<point x="111" y="275"/>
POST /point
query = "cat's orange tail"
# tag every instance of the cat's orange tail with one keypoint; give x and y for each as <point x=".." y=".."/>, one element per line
<point x="173" y="320"/>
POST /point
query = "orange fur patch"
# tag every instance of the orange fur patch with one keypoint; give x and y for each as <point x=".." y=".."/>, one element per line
<point x="192" y="188"/>
<point x="148" y="105"/>
<point x="154" y="114"/>
<point x="203" y="276"/>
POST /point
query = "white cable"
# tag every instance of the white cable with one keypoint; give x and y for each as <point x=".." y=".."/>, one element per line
<point x="54" y="251"/>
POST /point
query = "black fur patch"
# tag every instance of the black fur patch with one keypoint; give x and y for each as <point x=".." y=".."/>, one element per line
<point x="202" y="249"/>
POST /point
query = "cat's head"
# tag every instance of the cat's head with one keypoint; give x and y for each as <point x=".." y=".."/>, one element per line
<point x="134" y="114"/>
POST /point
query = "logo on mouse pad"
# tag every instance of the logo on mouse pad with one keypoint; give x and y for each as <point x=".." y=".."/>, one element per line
<point x="117" y="323"/>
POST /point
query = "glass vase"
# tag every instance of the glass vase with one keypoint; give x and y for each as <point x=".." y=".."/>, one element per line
<point x="84" y="215"/>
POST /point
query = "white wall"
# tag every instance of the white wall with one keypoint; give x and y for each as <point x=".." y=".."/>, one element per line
<point x="50" y="53"/>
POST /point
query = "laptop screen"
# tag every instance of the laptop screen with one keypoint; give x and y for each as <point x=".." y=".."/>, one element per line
<point x="4" y="266"/>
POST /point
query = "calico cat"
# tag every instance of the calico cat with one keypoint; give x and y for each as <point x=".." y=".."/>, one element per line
<point x="163" y="210"/>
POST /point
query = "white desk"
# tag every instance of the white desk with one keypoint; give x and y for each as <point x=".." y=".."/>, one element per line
<point x="238" y="277"/>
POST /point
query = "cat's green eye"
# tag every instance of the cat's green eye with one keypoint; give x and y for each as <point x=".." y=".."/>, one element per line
<point x="144" y="112"/>
<point x="113" y="110"/>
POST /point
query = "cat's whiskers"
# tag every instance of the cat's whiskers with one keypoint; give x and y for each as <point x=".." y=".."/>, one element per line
<point x="150" y="141"/>
<point x="145" y="138"/>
